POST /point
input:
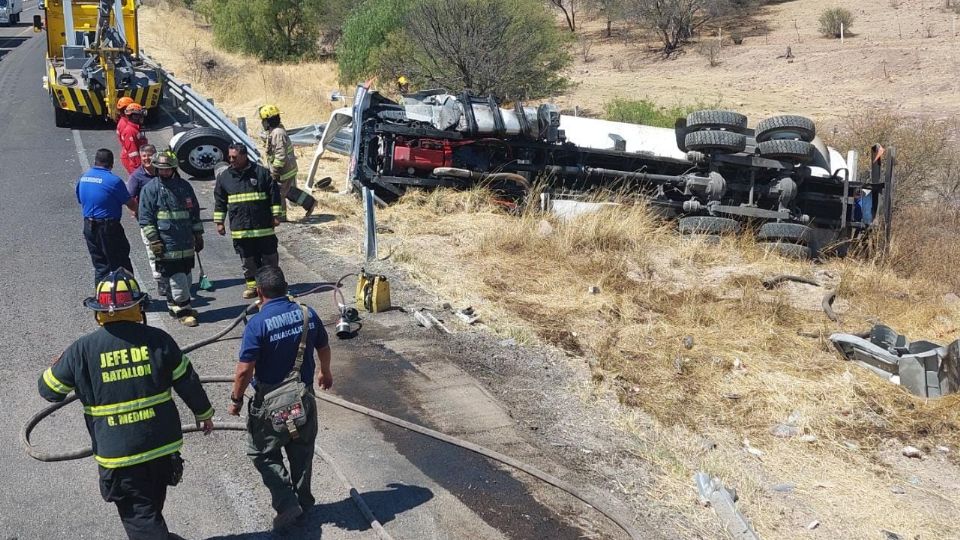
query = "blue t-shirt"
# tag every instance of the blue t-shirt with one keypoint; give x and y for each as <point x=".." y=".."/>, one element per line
<point x="102" y="194"/>
<point x="272" y="337"/>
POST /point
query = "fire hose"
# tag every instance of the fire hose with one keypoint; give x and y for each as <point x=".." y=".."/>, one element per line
<point x="562" y="485"/>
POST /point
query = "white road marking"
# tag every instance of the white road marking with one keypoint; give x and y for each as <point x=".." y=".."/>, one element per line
<point x="153" y="318"/>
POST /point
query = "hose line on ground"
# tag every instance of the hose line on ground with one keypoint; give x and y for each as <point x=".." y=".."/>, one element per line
<point x="826" y="303"/>
<point x="589" y="500"/>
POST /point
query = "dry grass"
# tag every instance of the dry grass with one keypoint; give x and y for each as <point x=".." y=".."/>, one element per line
<point x="238" y="84"/>
<point x="749" y="368"/>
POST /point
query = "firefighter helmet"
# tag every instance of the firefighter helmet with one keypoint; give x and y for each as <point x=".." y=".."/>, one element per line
<point x="124" y="102"/>
<point x="402" y="80"/>
<point x="116" y="296"/>
<point x="268" y="111"/>
<point x="165" y="161"/>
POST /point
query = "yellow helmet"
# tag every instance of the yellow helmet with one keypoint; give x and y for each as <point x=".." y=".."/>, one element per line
<point x="268" y="111"/>
<point x="116" y="295"/>
<point x="401" y="80"/>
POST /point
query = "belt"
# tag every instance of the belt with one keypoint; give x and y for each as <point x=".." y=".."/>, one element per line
<point x="100" y="220"/>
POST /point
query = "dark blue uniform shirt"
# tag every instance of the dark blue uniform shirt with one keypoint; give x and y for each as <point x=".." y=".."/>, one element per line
<point x="272" y="337"/>
<point x="137" y="180"/>
<point x="102" y="194"/>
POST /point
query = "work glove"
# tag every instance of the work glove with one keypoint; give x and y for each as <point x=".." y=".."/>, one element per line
<point x="198" y="242"/>
<point x="156" y="247"/>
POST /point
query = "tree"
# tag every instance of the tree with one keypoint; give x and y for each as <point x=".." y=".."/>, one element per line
<point x="510" y="48"/>
<point x="569" y="9"/>
<point x="674" y="21"/>
<point x="611" y="10"/>
<point x="364" y="35"/>
<point x="270" y="29"/>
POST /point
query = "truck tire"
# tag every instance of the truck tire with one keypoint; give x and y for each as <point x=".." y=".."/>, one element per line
<point x="788" y="127"/>
<point x="785" y="232"/>
<point x="787" y="150"/>
<point x="788" y="250"/>
<point x="61" y="118"/>
<point x="711" y="119"/>
<point x="200" y="149"/>
<point x="715" y="142"/>
<point x="708" y="225"/>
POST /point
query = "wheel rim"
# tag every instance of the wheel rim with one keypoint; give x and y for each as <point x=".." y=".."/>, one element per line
<point x="204" y="157"/>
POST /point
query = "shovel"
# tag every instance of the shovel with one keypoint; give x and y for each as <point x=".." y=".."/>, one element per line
<point x="205" y="283"/>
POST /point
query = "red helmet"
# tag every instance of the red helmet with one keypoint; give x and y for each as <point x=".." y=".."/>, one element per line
<point x="117" y="292"/>
<point x="133" y="108"/>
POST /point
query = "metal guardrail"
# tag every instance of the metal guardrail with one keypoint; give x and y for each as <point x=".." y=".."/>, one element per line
<point x="201" y="109"/>
<point x="310" y="135"/>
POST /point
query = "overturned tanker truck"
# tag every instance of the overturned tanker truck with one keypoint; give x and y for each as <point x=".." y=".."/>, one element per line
<point x="710" y="172"/>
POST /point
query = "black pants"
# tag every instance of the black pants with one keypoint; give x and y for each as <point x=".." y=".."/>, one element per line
<point x="139" y="492"/>
<point x="108" y="246"/>
<point x="255" y="253"/>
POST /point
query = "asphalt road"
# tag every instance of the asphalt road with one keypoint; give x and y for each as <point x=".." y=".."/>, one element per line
<point x="416" y="487"/>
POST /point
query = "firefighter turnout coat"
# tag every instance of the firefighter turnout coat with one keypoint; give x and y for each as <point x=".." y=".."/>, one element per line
<point x="169" y="212"/>
<point x="280" y="155"/>
<point x="123" y="374"/>
<point x="250" y="198"/>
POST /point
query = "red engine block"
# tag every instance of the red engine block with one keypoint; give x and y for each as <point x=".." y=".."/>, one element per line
<point x="421" y="154"/>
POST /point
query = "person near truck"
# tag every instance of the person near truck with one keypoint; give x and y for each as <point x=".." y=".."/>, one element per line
<point x="246" y="193"/>
<point x="135" y="184"/>
<point x="102" y="196"/>
<point x="169" y="217"/>
<point x="131" y="136"/>
<point x="282" y="161"/>
<point x="123" y="374"/>
<point x="271" y="343"/>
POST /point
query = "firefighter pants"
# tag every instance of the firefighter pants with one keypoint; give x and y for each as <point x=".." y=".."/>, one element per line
<point x="151" y="258"/>
<point x="288" y="487"/>
<point x="178" y="276"/>
<point x="254" y="253"/>
<point x="290" y="192"/>
<point x="139" y="492"/>
<point x="108" y="246"/>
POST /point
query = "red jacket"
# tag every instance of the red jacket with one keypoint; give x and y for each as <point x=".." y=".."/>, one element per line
<point x="131" y="139"/>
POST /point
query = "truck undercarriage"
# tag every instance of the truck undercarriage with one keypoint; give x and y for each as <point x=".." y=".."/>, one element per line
<point x="710" y="171"/>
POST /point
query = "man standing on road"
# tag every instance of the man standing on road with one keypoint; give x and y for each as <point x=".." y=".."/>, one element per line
<point x="131" y="136"/>
<point x="123" y="373"/>
<point x="135" y="184"/>
<point x="271" y="344"/>
<point x="102" y="195"/>
<point x="169" y="217"/>
<point x="246" y="193"/>
<point x="282" y="161"/>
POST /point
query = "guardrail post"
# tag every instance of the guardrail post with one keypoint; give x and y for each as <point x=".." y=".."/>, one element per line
<point x="242" y="123"/>
<point x="369" y="225"/>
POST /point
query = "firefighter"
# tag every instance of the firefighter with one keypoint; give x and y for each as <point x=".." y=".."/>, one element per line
<point x="247" y="193"/>
<point x="403" y="85"/>
<point x="123" y="374"/>
<point x="169" y="217"/>
<point x="144" y="174"/>
<point x="131" y="136"/>
<point x="121" y="117"/>
<point x="283" y="162"/>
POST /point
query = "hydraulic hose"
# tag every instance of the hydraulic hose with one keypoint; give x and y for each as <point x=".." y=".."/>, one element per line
<point x="562" y="485"/>
<point x="826" y="303"/>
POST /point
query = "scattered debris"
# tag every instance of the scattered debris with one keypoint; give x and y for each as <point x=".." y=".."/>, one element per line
<point x="593" y="289"/>
<point x="785" y="431"/>
<point x="784" y="488"/>
<point x="467" y="315"/>
<point x="422" y="319"/>
<point x="851" y="445"/>
<point x="914" y="480"/>
<point x="426" y="319"/>
<point x="509" y="342"/>
<point x="688" y="342"/>
<point x="912" y="452"/>
<point x="813" y="525"/>
<point x="951" y="299"/>
<point x="751" y="450"/>
<point x="890" y="535"/>
<point x="544" y="228"/>
<point x="714" y="494"/>
<point x="943" y="450"/>
<point x="924" y="368"/>
<point x="898" y="490"/>
<point x="808" y="438"/>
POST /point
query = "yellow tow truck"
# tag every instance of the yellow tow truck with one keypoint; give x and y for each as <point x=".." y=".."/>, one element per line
<point x="93" y="59"/>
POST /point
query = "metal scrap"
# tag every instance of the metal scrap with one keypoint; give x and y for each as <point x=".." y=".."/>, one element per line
<point x="713" y="493"/>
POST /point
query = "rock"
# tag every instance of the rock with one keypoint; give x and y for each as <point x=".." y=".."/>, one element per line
<point x="951" y="299"/>
<point x="784" y="488"/>
<point x="808" y="438"/>
<point x="794" y="418"/>
<point x="912" y="452"/>
<point x="914" y="480"/>
<point x="785" y="431"/>
<point x="890" y="535"/>
<point x="688" y="342"/>
<point x="851" y="445"/>
<point x="544" y="228"/>
<point x="708" y="444"/>
<point x="813" y="525"/>
<point x="943" y="450"/>
<point x="751" y="450"/>
<point x="508" y="342"/>
<point x="897" y="490"/>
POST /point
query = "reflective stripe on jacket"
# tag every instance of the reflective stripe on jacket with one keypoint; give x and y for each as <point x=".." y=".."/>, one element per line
<point x="281" y="158"/>
<point x="250" y="198"/>
<point x="169" y="212"/>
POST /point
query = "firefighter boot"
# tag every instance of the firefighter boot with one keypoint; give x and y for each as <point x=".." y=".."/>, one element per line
<point x="188" y="317"/>
<point x="249" y="294"/>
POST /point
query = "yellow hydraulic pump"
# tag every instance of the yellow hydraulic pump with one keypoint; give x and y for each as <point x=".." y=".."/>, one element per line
<point x="373" y="292"/>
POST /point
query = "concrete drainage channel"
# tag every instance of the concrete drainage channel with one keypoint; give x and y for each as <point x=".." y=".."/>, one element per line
<point x="624" y="524"/>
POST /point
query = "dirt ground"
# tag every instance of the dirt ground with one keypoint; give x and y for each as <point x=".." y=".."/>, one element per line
<point x="604" y="380"/>
<point x="903" y="59"/>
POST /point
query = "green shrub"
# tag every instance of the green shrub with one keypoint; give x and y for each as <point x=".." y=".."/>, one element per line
<point x="364" y="35"/>
<point x="649" y="113"/>
<point x="276" y="30"/>
<point x="832" y="19"/>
